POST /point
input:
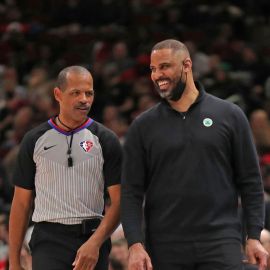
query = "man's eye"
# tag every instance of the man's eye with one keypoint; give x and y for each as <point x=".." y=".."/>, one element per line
<point x="89" y="94"/>
<point x="164" y="66"/>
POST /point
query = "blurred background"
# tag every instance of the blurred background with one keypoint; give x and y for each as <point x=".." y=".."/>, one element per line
<point x="229" y="42"/>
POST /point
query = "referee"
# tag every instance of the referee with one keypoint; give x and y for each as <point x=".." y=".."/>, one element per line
<point x="63" y="168"/>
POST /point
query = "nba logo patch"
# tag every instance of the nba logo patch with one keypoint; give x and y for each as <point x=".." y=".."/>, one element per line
<point x="86" y="145"/>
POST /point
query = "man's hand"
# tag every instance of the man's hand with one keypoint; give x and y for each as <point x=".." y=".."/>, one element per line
<point x="87" y="256"/>
<point x="256" y="253"/>
<point x="138" y="258"/>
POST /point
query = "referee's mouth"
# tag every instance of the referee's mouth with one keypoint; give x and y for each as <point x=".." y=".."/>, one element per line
<point x="83" y="108"/>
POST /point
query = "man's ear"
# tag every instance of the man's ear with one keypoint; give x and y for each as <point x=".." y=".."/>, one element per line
<point x="187" y="64"/>
<point x="57" y="94"/>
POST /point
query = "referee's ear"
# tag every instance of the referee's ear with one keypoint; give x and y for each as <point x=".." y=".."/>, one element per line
<point x="57" y="94"/>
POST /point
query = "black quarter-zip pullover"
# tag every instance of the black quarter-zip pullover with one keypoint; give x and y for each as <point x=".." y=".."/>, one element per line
<point x="190" y="169"/>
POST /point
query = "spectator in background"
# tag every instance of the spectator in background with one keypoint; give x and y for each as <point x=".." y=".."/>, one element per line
<point x="260" y="126"/>
<point x="113" y="120"/>
<point x="13" y="98"/>
<point x="22" y="122"/>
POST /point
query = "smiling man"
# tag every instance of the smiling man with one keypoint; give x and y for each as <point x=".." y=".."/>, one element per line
<point x="188" y="158"/>
<point x="65" y="165"/>
<point x="167" y="73"/>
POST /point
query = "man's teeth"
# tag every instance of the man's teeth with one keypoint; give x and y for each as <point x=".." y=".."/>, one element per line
<point x="162" y="83"/>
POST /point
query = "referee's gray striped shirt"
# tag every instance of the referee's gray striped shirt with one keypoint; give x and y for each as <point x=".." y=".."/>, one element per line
<point x="68" y="194"/>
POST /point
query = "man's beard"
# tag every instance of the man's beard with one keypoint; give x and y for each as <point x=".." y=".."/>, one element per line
<point x="176" y="92"/>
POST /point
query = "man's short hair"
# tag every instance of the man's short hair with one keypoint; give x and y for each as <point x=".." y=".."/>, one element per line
<point x="173" y="44"/>
<point x="61" y="81"/>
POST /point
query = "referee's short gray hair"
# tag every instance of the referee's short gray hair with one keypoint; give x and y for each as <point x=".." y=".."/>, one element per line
<point x="61" y="81"/>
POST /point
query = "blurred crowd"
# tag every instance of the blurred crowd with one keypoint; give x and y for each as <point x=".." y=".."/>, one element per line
<point x="228" y="42"/>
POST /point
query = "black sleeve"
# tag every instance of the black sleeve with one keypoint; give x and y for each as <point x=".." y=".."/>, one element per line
<point x="267" y="215"/>
<point x="133" y="179"/>
<point x="25" y="168"/>
<point x="112" y="153"/>
<point x="247" y="172"/>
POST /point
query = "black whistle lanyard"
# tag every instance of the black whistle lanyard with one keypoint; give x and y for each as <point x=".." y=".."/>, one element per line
<point x="70" y="159"/>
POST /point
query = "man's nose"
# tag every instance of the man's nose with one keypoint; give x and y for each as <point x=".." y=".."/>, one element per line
<point x="158" y="74"/>
<point x="83" y="98"/>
